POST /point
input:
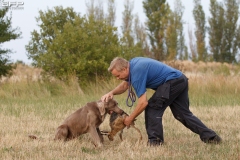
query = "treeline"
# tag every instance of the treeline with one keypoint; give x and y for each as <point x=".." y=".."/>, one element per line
<point x="167" y="40"/>
<point x="69" y="43"/>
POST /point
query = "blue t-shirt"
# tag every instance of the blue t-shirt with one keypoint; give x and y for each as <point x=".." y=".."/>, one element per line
<point x="149" y="73"/>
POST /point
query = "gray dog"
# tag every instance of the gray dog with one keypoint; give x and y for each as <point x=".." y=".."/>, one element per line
<point x="86" y="120"/>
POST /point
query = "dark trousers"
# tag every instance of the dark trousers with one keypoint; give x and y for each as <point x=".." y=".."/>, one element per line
<point x="174" y="94"/>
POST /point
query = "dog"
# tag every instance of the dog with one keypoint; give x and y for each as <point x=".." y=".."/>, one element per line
<point x="86" y="120"/>
<point x="117" y="124"/>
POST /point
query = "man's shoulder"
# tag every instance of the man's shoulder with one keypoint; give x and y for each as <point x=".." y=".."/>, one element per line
<point x="140" y="60"/>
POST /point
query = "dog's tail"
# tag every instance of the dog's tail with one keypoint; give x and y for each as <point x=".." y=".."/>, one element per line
<point x="32" y="137"/>
<point x="140" y="134"/>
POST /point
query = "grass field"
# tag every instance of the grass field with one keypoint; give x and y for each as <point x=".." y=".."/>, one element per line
<point x="29" y="106"/>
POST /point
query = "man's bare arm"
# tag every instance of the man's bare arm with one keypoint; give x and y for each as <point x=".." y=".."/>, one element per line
<point x="141" y="105"/>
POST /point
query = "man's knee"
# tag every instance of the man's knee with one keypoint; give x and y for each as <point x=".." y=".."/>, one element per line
<point x="183" y="118"/>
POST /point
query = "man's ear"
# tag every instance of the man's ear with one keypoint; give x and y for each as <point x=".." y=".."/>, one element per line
<point x="101" y="108"/>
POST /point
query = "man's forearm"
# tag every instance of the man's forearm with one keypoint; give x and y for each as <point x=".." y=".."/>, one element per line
<point x="142" y="104"/>
<point x="138" y="110"/>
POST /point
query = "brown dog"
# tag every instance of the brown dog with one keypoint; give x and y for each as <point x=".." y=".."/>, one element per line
<point x="86" y="120"/>
<point x="117" y="124"/>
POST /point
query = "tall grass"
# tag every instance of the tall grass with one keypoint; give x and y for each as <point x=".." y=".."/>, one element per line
<point x="35" y="106"/>
<point x="214" y="90"/>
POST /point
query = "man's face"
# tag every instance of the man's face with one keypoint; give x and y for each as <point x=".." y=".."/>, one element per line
<point x="122" y="75"/>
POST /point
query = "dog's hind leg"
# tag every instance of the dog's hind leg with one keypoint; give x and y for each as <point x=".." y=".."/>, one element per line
<point x="116" y="126"/>
<point x="62" y="133"/>
<point x="120" y="135"/>
<point x="112" y="134"/>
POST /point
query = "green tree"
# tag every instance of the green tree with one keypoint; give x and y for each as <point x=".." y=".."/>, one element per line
<point x="156" y="11"/>
<point x="95" y="10"/>
<point x="223" y="32"/>
<point x="238" y="44"/>
<point x="175" y="41"/>
<point x="171" y="37"/>
<point x="182" y="50"/>
<point x="111" y="16"/>
<point x="140" y="37"/>
<point x="79" y="45"/>
<point x="200" y="31"/>
<point x="231" y="16"/>
<point x="127" y="23"/>
<point x="7" y="33"/>
<point x="216" y="29"/>
<point x="192" y="45"/>
<point x="130" y="40"/>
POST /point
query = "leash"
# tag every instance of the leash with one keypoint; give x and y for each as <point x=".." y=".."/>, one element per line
<point x="131" y="95"/>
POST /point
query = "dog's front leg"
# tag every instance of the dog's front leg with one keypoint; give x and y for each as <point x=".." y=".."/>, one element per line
<point x="100" y="135"/>
<point x="95" y="136"/>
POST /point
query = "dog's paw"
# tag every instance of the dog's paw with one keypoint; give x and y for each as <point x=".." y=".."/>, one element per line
<point x="110" y="137"/>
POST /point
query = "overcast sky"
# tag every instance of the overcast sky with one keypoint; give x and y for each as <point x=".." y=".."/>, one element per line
<point x="24" y="18"/>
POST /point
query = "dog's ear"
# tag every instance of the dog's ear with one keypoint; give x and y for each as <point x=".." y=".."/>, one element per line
<point x="101" y="108"/>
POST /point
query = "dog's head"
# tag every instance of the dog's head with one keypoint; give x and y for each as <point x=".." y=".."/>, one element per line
<point x="106" y="107"/>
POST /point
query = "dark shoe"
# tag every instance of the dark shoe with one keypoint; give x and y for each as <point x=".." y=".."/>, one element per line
<point x="154" y="143"/>
<point x="215" y="140"/>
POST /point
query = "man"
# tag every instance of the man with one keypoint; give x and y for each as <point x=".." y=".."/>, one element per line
<point x="171" y="88"/>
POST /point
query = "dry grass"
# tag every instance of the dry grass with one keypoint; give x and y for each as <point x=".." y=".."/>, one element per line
<point x="213" y="68"/>
<point x="180" y="142"/>
<point x="23" y="73"/>
<point x="30" y="106"/>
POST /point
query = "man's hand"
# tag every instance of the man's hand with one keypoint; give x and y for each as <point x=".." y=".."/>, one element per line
<point x="107" y="96"/>
<point x="128" y="121"/>
<point x="122" y="87"/>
